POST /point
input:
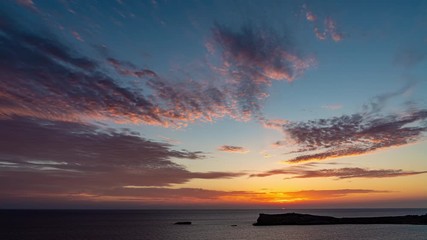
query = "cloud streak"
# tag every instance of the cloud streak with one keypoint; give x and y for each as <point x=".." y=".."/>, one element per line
<point x="338" y="173"/>
<point x="232" y="149"/>
<point x="409" y="57"/>
<point x="354" y="134"/>
<point x="325" y="194"/>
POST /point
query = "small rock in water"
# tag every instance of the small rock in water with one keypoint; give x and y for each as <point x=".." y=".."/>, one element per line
<point x="183" y="223"/>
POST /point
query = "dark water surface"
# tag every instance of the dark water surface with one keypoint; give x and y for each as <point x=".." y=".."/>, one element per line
<point x="207" y="224"/>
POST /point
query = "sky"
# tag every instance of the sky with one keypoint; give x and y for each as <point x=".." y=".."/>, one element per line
<point x="213" y="104"/>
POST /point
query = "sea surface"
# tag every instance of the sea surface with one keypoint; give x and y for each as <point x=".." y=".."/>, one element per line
<point x="207" y="224"/>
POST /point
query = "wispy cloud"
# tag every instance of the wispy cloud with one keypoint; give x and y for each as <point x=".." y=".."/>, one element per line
<point x="355" y="134"/>
<point x="276" y="124"/>
<point x="323" y="30"/>
<point x="378" y="103"/>
<point x="27" y="3"/>
<point x="129" y="69"/>
<point x="30" y="87"/>
<point x="196" y="194"/>
<point x="252" y="58"/>
<point x="324" y="194"/>
<point x="97" y="89"/>
<point x="409" y="57"/>
<point x="338" y="173"/>
<point x="159" y="196"/>
<point x="232" y="149"/>
<point x="77" y="36"/>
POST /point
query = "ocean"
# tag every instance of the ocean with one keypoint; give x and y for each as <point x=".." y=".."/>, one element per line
<point x="206" y="224"/>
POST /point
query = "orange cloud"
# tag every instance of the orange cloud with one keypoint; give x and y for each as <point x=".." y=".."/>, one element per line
<point x="232" y="149"/>
<point x="338" y="173"/>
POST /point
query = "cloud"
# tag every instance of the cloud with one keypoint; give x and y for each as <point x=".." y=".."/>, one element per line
<point x="44" y="156"/>
<point x="232" y="149"/>
<point x="378" y="103"/>
<point x="324" y="194"/>
<point x="174" y="194"/>
<point x="354" y="134"/>
<point x="112" y="89"/>
<point x="330" y="29"/>
<point x="276" y="124"/>
<point x="338" y="173"/>
<point x="409" y="58"/>
<point x="206" y="195"/>
<point x="164" y="196"/>
<point x="32" y="64"/>
<point x="187" y="101"/>
<point x="252" y="58"/>
<point x="27" y="3"/>
<point x="77" y="36"/>
<point x="309" y="15"/>
<point x="128" y="69"/>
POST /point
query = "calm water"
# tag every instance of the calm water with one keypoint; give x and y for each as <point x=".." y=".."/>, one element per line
<point x="207" y="224"/>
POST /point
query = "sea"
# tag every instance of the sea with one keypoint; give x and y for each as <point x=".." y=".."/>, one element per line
<point x="206" y="224"/>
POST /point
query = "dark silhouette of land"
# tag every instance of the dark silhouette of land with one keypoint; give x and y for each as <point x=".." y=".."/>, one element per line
<point x="182" y="223"/>
<point x="307" y="219"/>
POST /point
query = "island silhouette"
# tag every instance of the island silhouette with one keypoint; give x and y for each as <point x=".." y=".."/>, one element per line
<point x="307" y="219"/>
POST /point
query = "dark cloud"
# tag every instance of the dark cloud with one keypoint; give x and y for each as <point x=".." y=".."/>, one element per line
<point x="252" y="58"/>
<point x="233" y="149"/>
<point x="47" y="156"/>
<point x="354" y="134"/>
<point x="339" y="173"/>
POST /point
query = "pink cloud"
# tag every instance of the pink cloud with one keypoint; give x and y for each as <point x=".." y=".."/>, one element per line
<point x="330" y="29"/>
<point x="338" y="173"/>
<point x="77" y="36"/>
<point x="232" y="149"/>
<point x="310" y="16"/>
<point x="27" y="3"/>
<point x="355" y="134"/>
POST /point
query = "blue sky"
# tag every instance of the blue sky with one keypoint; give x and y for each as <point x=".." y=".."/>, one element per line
<point x="223" y="103"/>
